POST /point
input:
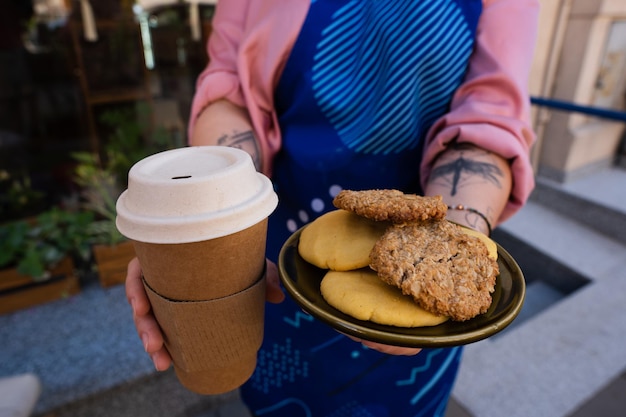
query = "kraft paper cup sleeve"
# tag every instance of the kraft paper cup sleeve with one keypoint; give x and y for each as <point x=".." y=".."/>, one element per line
<point x="213" y="334"/>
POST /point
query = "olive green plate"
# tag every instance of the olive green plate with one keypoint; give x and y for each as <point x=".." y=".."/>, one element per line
<point x="302" y="282"/>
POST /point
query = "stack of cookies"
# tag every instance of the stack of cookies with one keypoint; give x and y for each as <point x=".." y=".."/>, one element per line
<point x="393" y="259"/>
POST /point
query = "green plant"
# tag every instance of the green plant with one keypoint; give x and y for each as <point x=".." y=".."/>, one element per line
<point x="131" y="139"/>
<point x="17" y="195"/>
<point x="99" y="190"/>
<point x="34" y="247"/>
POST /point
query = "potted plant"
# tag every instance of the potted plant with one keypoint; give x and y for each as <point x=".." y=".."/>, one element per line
<point x="37" y="257"/>
<point x="18" y="198"/>
<point x="100" y="189"/>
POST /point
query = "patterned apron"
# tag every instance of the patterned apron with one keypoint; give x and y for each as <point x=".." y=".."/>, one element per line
<point x="363" y="84"/>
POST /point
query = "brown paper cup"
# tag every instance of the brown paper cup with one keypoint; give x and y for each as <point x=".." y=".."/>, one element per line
<point x="198" y="219"/>
<point x="209" y="299"/>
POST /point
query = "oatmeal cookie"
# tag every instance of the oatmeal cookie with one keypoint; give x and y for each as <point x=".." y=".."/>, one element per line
<point x="391" y="205"/>
<point x="446" y="271"/>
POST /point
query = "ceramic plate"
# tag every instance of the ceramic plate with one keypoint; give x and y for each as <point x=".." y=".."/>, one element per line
<point x="302" y="282"/>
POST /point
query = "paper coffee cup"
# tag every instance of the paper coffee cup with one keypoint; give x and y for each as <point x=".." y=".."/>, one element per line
<point x="198" y="220"/>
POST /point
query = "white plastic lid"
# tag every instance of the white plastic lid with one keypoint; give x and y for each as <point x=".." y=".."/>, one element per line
<point x="193" y="194"/>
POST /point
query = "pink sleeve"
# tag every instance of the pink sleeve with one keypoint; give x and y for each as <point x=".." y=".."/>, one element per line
<point x="248" y="47"/>
<point x="492" y="107"/>
<point x="221" y="72"/>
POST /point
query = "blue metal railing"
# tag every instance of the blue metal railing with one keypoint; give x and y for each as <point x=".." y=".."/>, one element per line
<point x="571" y="107"/>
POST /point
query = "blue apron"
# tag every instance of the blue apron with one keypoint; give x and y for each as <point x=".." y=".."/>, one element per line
<point x="363" y="84"/>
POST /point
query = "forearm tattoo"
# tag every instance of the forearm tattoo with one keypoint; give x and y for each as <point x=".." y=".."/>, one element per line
<point x="466" y="167"/>
<point x="244" y="141"/>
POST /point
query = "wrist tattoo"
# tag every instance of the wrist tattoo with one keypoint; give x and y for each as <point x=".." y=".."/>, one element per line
<point x="466" y="167"/>
<point x="245" y="141"/>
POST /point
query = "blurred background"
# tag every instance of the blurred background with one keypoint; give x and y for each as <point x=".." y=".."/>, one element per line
<point x="88" y="87"/>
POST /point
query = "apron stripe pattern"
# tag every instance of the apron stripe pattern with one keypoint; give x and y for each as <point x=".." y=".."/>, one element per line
<point x="371" y="118"/>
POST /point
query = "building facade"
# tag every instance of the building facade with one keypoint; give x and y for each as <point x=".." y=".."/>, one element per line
<point x="580" y="59"/>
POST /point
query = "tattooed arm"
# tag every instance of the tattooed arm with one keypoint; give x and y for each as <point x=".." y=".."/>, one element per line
<point x="467" y="175"/>
<point x="225" y="124"/>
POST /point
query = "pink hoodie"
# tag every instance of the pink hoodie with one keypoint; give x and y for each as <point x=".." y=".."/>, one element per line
<point x="252" y="39"/>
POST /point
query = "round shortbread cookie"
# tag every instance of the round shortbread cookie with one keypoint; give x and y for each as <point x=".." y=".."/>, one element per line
<point x="340" y="240"/>
<point x="362" y="295"/>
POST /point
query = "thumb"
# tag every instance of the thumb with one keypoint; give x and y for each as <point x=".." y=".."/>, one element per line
<point x="274" y="293"/>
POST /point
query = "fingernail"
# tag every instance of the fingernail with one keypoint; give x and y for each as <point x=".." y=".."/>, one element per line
<point x="153" y="357"/>
<point x="144" y="339"/>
